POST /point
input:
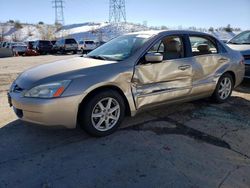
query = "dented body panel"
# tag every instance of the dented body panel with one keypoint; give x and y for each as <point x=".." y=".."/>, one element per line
<point x="155" y="83"/>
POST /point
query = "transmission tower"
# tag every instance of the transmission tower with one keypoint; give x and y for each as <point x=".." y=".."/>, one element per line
<point x="58" y="6"/>
<point x="117" y="11"/>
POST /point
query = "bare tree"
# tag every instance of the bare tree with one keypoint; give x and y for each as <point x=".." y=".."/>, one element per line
<point x="30" y="31"/>
<point x="2" y="32"/>
<point x="16" y="36"/>
<point x="46" y="32"/>
<point x="211" y="29"/>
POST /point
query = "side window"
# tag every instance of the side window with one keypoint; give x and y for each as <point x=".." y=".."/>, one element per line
<point x="170" y="47"/>
<point x="202" y="46"/>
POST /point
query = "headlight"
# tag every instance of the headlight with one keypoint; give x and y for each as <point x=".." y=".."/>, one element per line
<point x="49" y="90"/>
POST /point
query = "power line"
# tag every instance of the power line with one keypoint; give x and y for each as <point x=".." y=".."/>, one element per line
<point x="58" y="5"/>
<point x="117" y="11"/>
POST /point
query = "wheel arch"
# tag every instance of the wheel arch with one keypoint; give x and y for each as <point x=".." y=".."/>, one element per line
<point x="103" y="88"/>
<point x="232" y="74"/>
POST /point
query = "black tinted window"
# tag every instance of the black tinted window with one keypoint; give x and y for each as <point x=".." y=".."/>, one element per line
<point x="44" y="42"/>
<point x="70" y="41"/>
<point x="89" y="42"/>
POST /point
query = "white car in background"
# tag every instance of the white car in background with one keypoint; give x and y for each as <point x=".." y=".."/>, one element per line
<point x="241" y="42"/>
<point x="86" y="46"/>
<point x="18" y="47"/>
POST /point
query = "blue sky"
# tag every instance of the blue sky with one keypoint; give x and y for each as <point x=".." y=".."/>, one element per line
<point x="171" y="13"/>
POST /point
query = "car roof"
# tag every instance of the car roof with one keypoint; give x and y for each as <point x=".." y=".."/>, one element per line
<point x="170" y="32"/>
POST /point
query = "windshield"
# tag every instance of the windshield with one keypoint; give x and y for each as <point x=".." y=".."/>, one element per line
<point x="44" y="42"/>
<point x="18" y="44"/>
<point x="242" y="38"/>
<point x="120" y="48"/>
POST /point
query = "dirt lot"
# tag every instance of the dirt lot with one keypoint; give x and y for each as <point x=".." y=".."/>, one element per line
<point x="196" y="144"/>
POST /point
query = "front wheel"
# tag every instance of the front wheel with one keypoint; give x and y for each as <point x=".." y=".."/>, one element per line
<point x="224" y="88"/>
<point x="102" y="114"/>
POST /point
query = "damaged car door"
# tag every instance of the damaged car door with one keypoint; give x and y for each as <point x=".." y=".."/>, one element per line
<point x="210" y="60"/>
<point x="163" y="74"/>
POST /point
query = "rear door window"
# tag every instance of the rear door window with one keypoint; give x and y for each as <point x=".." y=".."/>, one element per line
<point x="202" y="46"/>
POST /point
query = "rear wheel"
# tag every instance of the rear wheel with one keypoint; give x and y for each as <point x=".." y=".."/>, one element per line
<point x="224" y="88"/>
<point x="103" y="113"/>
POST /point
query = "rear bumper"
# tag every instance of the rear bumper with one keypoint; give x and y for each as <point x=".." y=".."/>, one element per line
<point x="49" y="112"/>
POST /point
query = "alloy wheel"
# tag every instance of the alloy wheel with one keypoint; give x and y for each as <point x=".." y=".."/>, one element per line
<point x="225" y="88"/>
<point x="105" y="114"/>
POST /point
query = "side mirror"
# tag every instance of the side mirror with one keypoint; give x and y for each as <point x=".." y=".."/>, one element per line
<point x="153" y="57"/>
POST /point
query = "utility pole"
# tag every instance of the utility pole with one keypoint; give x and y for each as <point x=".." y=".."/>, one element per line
<point x="117" y="11"/>
<point x="58" y="5"/>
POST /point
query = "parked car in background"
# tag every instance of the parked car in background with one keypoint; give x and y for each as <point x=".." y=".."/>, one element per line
<point x="43" y="46"/>
<point x="128" y="74"/>
<point x="86" y="46"/>
<point x="66" y="45"/>
<point x="241" y="42"/>
<point x="7" y="45"/>
<point x="18" y="47"/>
<point x="30" y="44"/>
<point x="4" y="44"/>
<point x="100" y="43"/>
<point x="53" y="42"/>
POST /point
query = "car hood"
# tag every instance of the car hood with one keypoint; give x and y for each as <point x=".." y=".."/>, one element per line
<point x="60" y="70"/>
<point x="244" y="48"/>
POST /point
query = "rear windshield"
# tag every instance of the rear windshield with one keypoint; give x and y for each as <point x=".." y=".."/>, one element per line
<point x="70" y="41"/>
<point x="44" y="42"/>
<point x="89" y="42"/>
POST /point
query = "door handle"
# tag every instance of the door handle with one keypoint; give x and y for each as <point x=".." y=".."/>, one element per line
<point x="223" y="60"/>
<point x="184" y="67"/>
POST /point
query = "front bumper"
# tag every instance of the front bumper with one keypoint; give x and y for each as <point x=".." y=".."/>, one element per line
<point x="71" y="49"/>
<point x="50" y="112"/>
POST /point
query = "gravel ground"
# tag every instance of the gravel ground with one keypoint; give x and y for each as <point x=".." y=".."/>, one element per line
<point x="196" y="144"/>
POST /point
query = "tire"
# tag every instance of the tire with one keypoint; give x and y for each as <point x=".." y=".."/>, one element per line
<point x="75" y="52"/>
<point x="38" y="51"/>
<point x="63" y="51"/>
<point x="221" y="95"/>
<point x="105" y="122"/>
